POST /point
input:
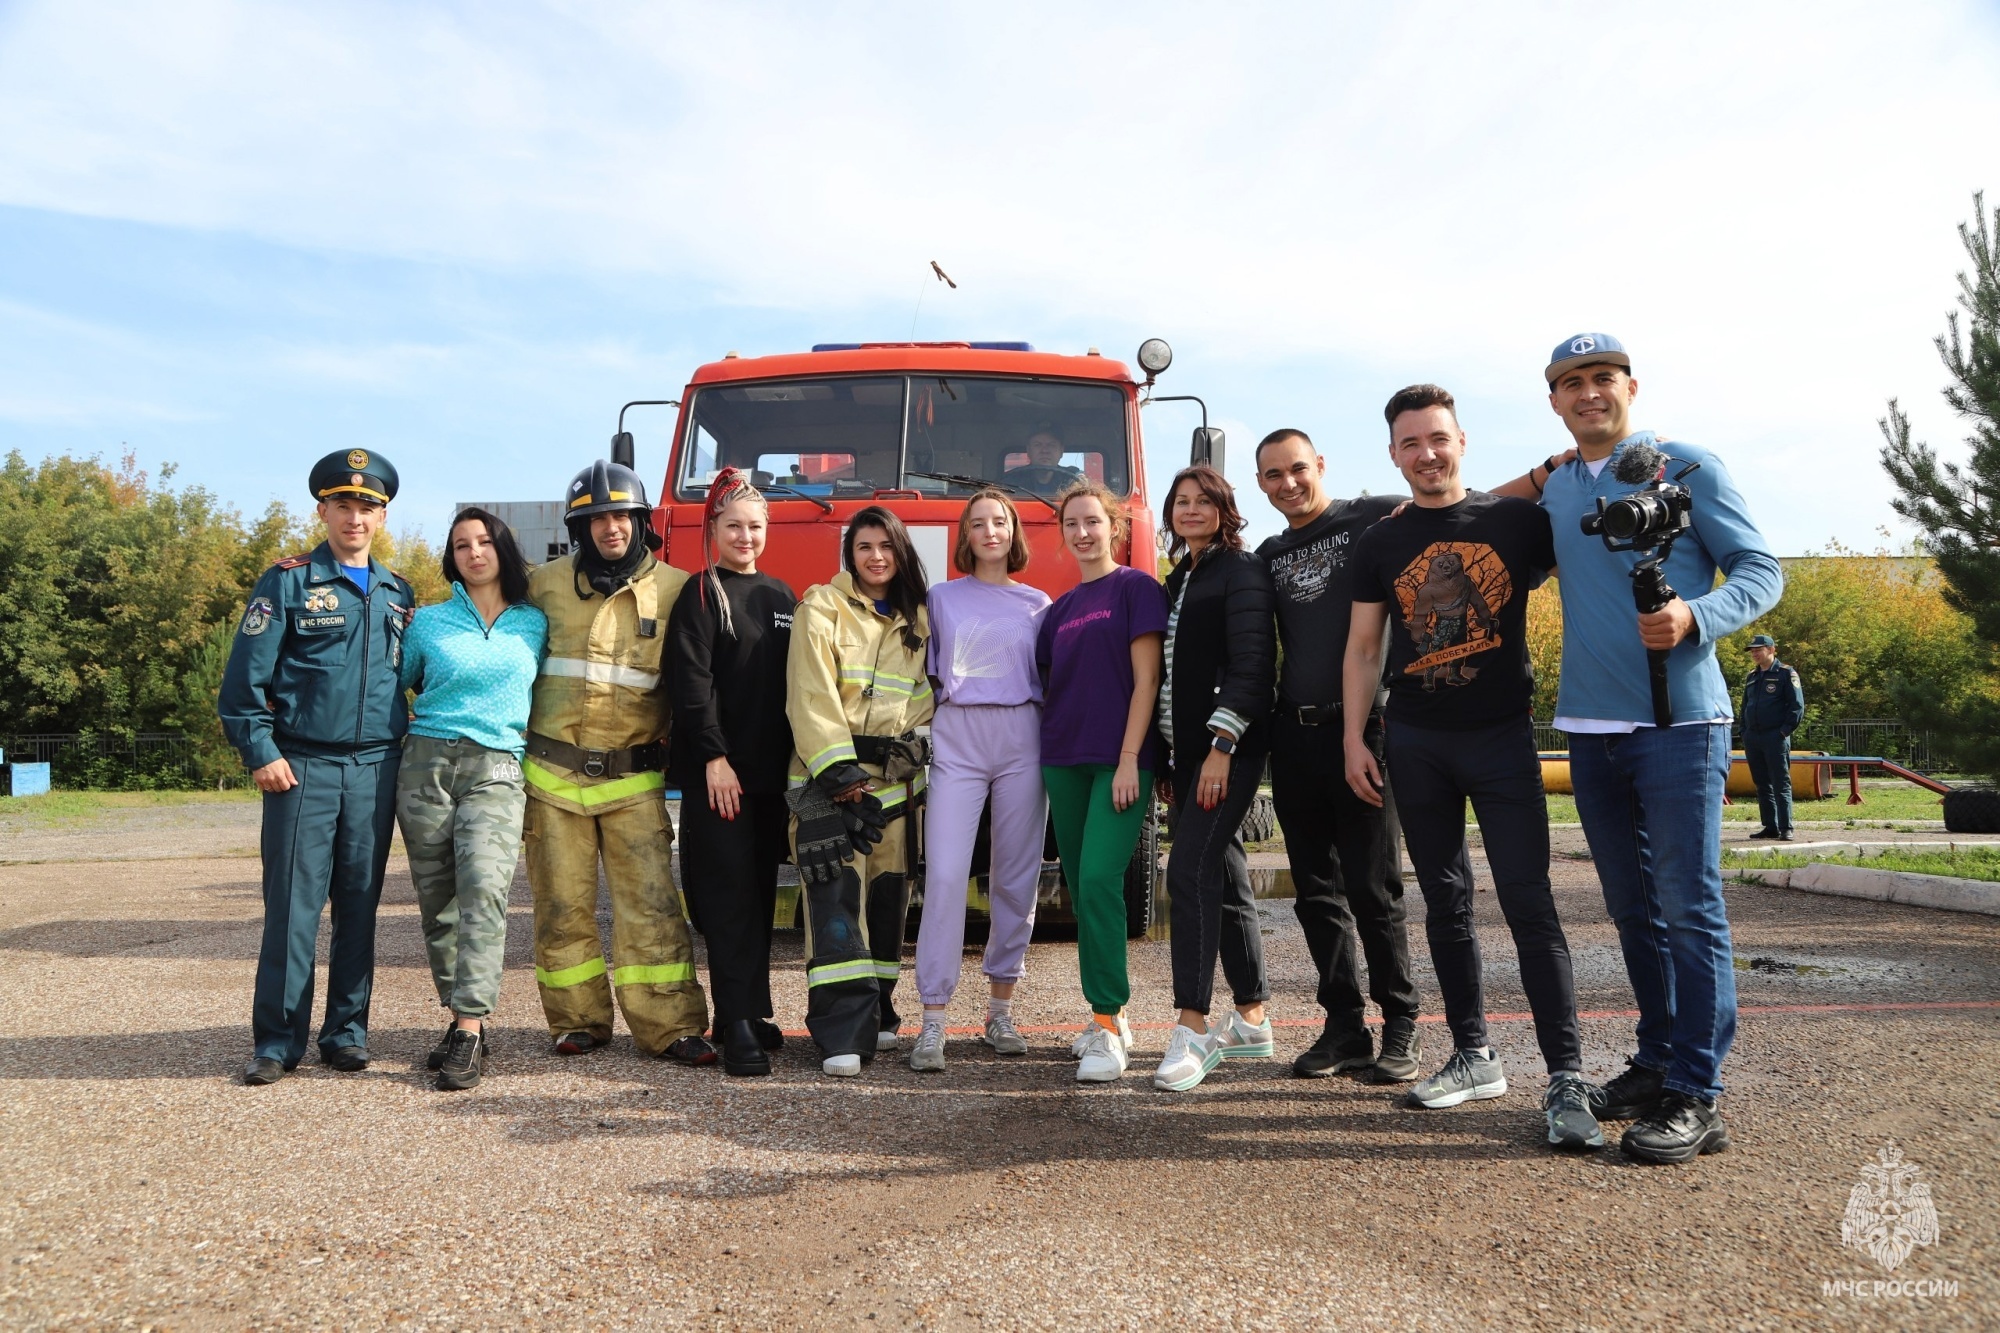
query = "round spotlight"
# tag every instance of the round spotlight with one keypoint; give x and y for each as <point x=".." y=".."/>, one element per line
<point x="1155" y="356"/>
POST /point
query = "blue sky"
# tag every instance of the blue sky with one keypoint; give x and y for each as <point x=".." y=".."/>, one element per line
<point x="236" y="237"/>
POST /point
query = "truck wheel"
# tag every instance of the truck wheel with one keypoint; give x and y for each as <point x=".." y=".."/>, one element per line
<point x="1140" y="873"/>
<point x="1972" y="810"/>
<point x="1260" y="821"/>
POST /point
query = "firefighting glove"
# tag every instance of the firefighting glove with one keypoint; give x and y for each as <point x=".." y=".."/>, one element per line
<point x="838" y="778"/>
<point x="823" y="844"/>
<point x="865" y="820"/>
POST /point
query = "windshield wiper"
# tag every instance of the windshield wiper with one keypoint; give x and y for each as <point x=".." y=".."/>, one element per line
<point x="960" y="479"/>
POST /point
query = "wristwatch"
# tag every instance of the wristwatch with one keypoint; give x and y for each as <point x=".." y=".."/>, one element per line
<point x="1223" y="745"/>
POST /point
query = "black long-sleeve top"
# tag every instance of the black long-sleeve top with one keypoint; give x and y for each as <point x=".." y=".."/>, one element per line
<point x="728" y="692"/>
<point x="1225" y="650"/>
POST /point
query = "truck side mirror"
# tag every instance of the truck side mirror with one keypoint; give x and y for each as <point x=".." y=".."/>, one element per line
<point x="1207" y="447"/>
<point x="621" y="449"/>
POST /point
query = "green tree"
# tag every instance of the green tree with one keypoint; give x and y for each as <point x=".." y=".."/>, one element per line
<point x="1953" y="503"/>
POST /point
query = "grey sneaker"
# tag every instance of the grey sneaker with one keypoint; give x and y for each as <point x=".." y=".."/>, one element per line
<point x="927" y="1056"/>
<point x="1466" y="1077"/>
<point x="464" y="1061"/>
<point x="1003" y="1036"/>
<point x="1567" y="1104"/>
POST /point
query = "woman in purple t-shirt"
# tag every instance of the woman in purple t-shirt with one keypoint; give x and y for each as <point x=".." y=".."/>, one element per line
<point x="1099" y="655"/>
<point x="985" y="741"/>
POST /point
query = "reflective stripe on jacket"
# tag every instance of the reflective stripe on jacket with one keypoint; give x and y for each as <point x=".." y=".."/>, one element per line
<point x="599" y="686"/>
<point x="850" y="674"/>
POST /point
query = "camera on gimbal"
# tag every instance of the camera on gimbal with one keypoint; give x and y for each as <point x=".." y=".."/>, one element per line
<point x="1646" y="518"/>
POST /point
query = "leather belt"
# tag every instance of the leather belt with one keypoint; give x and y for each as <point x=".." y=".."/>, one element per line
<point x="648" y="758"/>
<point x="1320" y="715"/>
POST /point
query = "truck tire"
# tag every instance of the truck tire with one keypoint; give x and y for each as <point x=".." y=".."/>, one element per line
<point x="1260" y="821"/>
<point x="1140" y="873"/>
<point x="1972" y="810"/>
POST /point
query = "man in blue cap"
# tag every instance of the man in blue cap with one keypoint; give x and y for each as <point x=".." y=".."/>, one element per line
<point x="310" y="699"/>
<point x="1650" y="797"/>
<point x="1773" y="703"/>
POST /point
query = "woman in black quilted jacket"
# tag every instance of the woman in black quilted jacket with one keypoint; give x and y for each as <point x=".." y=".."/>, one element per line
<point x="1221" y="668"/>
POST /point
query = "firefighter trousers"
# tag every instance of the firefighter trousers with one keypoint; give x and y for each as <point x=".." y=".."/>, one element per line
<point x="854" y="945"/>
<point x="652" y="954"/>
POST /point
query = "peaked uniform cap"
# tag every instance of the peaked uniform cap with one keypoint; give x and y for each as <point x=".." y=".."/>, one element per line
<point x="361" y="472"/>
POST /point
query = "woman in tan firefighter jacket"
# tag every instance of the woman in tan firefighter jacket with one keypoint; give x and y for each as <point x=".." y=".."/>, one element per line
<point x="594" y="768"/>
<point x="860" y="708"/>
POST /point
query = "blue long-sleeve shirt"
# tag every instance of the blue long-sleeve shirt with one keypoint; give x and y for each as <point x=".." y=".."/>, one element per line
<point x="474" y="682"/>
<point x="1604" y="670"/>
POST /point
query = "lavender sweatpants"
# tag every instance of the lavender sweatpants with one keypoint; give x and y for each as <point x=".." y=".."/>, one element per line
<point x="976" y="749"/>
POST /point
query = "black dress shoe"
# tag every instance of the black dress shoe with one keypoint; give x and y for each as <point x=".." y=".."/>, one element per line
<point x="1766" y="833"/>
<point x="743" y="1052"/>
<point x="1339" y="1050"/>
<point x="262" y="1071"/>
<point x="1630" y="1096"/>
<point x="1680" y="1129"/>
<point x="769" y="1035"/>
<point x="690" y="1051"/>
<point x="345" y="1059"/>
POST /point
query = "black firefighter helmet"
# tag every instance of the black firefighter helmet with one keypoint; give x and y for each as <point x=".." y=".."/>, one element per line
<point x="608" y="488"/>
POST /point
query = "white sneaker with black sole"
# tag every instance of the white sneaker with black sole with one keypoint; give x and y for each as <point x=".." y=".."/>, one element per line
<point x="1467" y="1077"/>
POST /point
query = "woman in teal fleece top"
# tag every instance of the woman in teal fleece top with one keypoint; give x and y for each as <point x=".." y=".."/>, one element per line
<point x="472" y="662"/>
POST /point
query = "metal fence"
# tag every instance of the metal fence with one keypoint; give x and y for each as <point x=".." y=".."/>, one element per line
<point x="1884" y="736"/>
<point x="110" y="760"/>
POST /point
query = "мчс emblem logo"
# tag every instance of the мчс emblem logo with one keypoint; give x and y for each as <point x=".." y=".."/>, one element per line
<point x="1890" y="1213"/>
<point x="357" y="459"/>
<point x="1451" y="597"/>
<point x="257" y="617"/>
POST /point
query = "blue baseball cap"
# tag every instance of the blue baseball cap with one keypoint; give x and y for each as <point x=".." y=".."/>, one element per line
<point x="1583" y="350"/>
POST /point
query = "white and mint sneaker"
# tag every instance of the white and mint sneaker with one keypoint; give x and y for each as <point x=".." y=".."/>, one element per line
<point x="1083" y="1038"/>
<point x="927" y="1056"/>
<point x="1240" y="1041"/>
<point x="1103" y="1059"/>
<point x="1467" y="1077"/>
<point x="1190" y="1055"/>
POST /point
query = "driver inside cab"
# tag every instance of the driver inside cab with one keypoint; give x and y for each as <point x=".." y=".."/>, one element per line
<point x="1044" y="471"/>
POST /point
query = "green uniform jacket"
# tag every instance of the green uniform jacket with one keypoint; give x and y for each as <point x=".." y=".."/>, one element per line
<point x="313" y="668"/>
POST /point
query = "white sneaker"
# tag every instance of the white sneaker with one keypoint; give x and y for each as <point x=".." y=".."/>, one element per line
<point x="1103" y="1058"/>
<point x="1076" y="1048"/>
<point x="927" y="1056"/>
<point x="885" y="1040"/>
<point x="1238" y="1040"/>
<point x="841" y="1066"/>
<point x="1190" y="1055"/>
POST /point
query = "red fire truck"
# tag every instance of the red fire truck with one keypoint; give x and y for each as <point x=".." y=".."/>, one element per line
<point x="917" y="427"/>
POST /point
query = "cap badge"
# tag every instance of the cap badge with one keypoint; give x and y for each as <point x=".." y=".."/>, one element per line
<point x="357" y="459"/>
<point x="1584" y="344"/>
<point x="357" y="480"/>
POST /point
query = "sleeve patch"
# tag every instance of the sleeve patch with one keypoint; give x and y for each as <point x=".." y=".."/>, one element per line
<point x="257" y="618"/>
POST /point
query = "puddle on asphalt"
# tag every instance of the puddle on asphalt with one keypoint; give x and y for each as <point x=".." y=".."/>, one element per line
<point x="1780" y="967"/>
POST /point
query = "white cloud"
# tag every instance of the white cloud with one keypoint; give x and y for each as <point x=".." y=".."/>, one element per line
<point x="1759" y="198"/>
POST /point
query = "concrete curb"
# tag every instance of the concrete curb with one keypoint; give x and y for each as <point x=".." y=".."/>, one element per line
<point x="1886" y="886"/>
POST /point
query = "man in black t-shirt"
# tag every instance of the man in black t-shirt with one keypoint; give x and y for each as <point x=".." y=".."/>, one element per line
<point x="1347" y="874"/>
<point x="1448" y="579"/>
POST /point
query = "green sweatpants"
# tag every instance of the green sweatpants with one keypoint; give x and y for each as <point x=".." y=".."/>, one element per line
<point x="1096" y="844"/>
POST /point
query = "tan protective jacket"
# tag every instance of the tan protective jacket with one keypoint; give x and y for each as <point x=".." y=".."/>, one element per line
<point x="850" y="674"/>
<point x="599" y="687"/>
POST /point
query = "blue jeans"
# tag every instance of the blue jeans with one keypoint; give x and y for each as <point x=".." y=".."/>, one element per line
<point x="1651" y="806"/>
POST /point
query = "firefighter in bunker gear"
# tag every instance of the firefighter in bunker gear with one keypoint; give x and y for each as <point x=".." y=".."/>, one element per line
<point x="858" y="702"/>
<point x="596" y="781"/>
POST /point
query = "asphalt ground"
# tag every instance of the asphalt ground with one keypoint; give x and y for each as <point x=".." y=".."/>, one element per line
<point x="142" y="1186"/>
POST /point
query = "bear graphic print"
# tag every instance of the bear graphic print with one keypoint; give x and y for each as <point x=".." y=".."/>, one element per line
<point x="1450" y="597"/>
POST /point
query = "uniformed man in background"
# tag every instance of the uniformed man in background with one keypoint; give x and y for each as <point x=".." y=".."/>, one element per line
<point x="595" y="770"/>
<point x="310" y="700"/>
<point x="1773" y="703"/>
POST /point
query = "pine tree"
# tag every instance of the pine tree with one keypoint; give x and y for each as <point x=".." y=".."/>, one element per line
<point x="1954" y="504"/>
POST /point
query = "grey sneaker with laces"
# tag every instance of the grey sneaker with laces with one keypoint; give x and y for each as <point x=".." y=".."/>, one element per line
<point x="927" y="1056"/>
<point x="1572" y="1127"/>
<point x="1467" y="1077"/>
<point x="1003" y="1036"/>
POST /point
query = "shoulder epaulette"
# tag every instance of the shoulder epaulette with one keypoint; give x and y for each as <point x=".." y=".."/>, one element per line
<point x="293" y="562"/>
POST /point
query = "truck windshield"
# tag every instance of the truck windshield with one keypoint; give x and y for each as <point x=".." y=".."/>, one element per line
<point x="850" y="437"/>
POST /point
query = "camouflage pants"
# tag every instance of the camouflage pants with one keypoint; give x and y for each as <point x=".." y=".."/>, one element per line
<point x="460" y="808"/>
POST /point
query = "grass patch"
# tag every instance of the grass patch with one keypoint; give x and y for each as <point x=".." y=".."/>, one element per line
<point x="59" y="806"/>
<point x="1981" y="863"/>
<point x="1904" y="801"/>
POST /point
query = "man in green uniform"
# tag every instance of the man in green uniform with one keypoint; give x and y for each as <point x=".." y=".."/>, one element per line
<point x="1773" y="703"/>
<point x="310" y="699"/>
